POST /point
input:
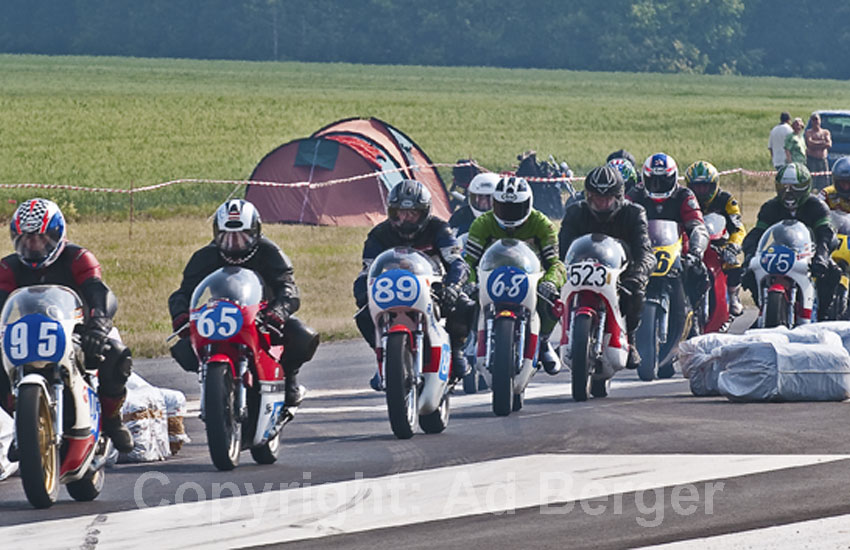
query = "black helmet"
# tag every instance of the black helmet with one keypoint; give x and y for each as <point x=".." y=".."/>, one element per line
<point x="604" y="190"/>
<point x="409" y="195"/>
<point x="236" y="230"/>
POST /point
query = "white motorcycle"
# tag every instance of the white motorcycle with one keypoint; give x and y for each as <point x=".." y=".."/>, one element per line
<point x="58" y="435"/>
<point x="508" y="324"/>
<point x="594" y="343"/>
<point x="414" y="354"/>
<point x="781" y="269"/>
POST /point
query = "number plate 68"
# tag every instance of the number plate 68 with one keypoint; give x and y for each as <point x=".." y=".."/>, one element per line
<point x="507" y="284"/>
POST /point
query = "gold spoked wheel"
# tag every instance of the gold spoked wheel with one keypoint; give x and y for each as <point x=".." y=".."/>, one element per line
<point x="39" y="456"/>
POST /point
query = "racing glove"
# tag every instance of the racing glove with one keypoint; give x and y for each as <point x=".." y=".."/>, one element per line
<point x="181" y="323"/>
<point x="818" y="268"/>
<point x="95" y="339"/>
<point x="729" y="254"/>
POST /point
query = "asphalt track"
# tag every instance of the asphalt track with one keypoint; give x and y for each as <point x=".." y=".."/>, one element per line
<point x="649" y="465"/>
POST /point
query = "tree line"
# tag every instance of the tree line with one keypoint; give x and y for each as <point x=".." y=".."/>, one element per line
<point x="805" y="38"/>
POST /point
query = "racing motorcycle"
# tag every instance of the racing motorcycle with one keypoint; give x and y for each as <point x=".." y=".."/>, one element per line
<point x="714" y="311"/>
<point x="508" y="324"/>
<point x="594" y="343"/>
<point x="781" y="269"/>
<point x="58" y="434"/>
<point x="666" y="316"/>
<point x="414" y="354"/>
<point x="841" y="256"/>
<point x="242" y="382"/>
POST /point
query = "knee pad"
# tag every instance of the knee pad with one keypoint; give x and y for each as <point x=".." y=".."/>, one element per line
<point x="299" y="342"/>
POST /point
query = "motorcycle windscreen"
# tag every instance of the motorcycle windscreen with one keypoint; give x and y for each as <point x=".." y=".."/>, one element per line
<point x="510" y="252"/>
<point x="598" y="248"/>
<point x="663" y="232"/>
<point x="407" y="259"/>
<point x="53" y="301"/>
<point x="791" y="234"/>
<point x="716" y="225"/>
<point x="235" y="284"/>
<point x="841" y="221"/>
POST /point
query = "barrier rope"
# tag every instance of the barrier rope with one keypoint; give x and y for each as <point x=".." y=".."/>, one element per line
<point x="318" y="185"/>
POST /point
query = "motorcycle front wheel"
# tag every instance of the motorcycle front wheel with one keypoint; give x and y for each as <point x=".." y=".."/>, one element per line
<point x="776" y="310"/>
<point x="39" y="455"/>
<point x="581" y="355"/>
<point x="504" y="365"/>
<point x="224" y="432"/>
<point x="402" y="391"/>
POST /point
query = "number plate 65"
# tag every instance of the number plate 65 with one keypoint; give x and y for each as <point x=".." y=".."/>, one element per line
<point x="396" y="287"/>
<point x="218" y="322"/>
<point x="507" y="284"/>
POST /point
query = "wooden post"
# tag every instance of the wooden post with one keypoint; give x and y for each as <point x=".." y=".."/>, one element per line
<point x="131" y="210"/>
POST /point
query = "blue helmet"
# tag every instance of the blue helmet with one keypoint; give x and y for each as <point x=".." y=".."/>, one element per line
<point x="841" y="177"/>
<point x="660" y="175"/>
<point x="38" y="232"/>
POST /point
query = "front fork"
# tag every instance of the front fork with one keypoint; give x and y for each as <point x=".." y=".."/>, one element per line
<point x="240" y="397"/>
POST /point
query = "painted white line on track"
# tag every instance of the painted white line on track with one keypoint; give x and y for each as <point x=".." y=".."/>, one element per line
<point x="824" y="534"/>
<point x="268" y="515"/>
<point x="459" y="400"/>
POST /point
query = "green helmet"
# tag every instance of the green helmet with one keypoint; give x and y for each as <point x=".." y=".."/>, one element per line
<point x="702" y="178"/>
<point x="793" y="184"/>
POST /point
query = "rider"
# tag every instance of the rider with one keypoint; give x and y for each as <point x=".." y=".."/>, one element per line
<point x="238" y="241"/>
<point x="837" y="195"/>
<point x="626" y="169"/>
<point x="43" y="255"/>
<point x="702" y="178"/>
<point x="606" y="211"/>
<point x="513" y="217"/>
<point x="664" y="199"/>
<point x="479" y="199"/>
<point x="794" y="201"/>
<point x="409" y="223"/>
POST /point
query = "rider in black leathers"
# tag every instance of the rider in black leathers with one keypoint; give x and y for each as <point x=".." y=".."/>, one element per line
<point x="605" y="211"/>
<point x="794" y="201"/>
<point x="238" y="240"/>
<point x="433" y="237"/>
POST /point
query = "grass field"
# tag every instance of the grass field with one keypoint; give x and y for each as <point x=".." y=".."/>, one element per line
<point x="121" y="122"/>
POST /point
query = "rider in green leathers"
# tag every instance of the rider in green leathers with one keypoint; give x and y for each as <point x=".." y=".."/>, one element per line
<point x="513" y="217"/>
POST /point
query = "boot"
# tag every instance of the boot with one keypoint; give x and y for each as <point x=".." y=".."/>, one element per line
<point x="460" y="366"/>
<point x="112" y="424"/>
<point x="735" y="306"/>
<point x="551" y="361"/>
<point x="633" y="360"/>
<point x="293" y="392"/>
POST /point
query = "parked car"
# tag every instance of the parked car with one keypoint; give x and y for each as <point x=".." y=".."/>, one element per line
<point x="838" y="124"/>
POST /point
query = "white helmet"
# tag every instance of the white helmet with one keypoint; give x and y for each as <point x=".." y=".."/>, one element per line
<point x="512" y="202"/>
<point x="236" y="230"/>
<point x="479" y="194"/>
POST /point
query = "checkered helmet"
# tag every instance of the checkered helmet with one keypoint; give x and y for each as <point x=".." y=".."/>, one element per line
<point x="38" y="232"/>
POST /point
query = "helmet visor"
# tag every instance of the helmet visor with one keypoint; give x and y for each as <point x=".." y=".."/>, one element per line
<point x="842" y="185"/>
<point x="659" y="185"/>
<point x="36" y="247"/>
<point x="511" y="212"/>
<point x="482" y="203"/>
<point x="234" y="243"/>
<point x="602" y="204"/>
<point x="704" y="190"/>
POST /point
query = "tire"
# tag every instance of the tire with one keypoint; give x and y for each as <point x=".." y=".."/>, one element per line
<point x="470" y="382"/>
<point x="88" y="488"/>
<point x="224" y="432"/>
<point x="268" y="452"/>
<point x="402" y="391"/>
<point x="776" y="310"/>
<point x="647" y="341"/>
<point x="438" y="420"/>
<point x="504" y="365"/>
<point x="582" y="348"/>
<point x="38" y="456"/>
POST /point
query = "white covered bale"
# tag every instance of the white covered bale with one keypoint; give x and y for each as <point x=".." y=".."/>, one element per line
<point x="175" y="409"/>
<point x="145" y="415"/>
<point x="7" y="435"/>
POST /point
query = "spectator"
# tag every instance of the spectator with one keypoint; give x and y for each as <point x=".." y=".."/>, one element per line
<point x="795" y="143"/>
<point x="776" y="142"/>
<point x="818" y="142"/>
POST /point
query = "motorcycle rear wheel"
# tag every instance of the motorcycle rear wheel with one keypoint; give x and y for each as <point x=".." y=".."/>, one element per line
<point x="38" y="455"/>
<point x="224" y="432"/>
<point x="647" y="341"/>
<point x="438" y="420"/>
<point x="581" y="355"/>
<point x="776" y="310"/>
<point x="402" y="390"/>
<point x="504" y="364"/>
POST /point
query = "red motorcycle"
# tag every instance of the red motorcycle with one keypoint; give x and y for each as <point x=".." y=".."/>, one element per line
<point x="714" y="313"/>
<point x="242" y="382"/>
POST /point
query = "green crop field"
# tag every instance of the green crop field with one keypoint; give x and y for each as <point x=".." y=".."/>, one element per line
<point x="123" y="122"/>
